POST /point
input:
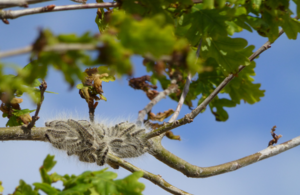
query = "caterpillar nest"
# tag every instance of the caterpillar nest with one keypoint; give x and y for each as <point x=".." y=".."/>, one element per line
<point x="92" y="142"/>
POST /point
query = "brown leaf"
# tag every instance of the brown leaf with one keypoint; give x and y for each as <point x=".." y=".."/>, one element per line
<point x="4" y="108"/>
<point x="4" y="97"/>
<point x="153" y="125"/>
<point x="84" y="93"/>
<point x="141" y="83"/>
<point x="98" y="85"/>
<point x="151" y="94"/>
<point x="170" y="135"/>
<point x="275" y="137"/>
<point x="39" y="43"/>
<point x="161" y="115"/>
<point x="26" y="118"/>
<point x="91" y="71"/>
<point x="160" y="67"/>
<point x="16" y="101"/>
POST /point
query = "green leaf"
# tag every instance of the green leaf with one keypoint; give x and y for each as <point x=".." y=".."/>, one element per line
<point x="49" y="163"/>
<point x="36" y="83"/>
<point x="130" y="184"/>
<point x="107" y="79"/>
<point x="220" y="113"/>
<point x="297" y="2"/>
<point x="291" y="27"/>
<point x="51" y="92"/>
<point x="47" y="188"/>
<point x="13" y="121"/>
<point x="256" y="4"/>
<point x="4" y="115"/>
<point x="243" y="88"/>
<point x="102" y="97"/>
<point x="80" y="86"/>
<point x="19" y="113"/>
<point x="24" y="189"/>
<point x="229" y="53"/>
<point x="208" y="4"/>
<point x="44" y="175"/>
<point x="1" y="187"/>
<point x="152" y="36"/>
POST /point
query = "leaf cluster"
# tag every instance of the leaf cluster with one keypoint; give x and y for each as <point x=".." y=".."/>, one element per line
<point x="88" y="183"/>
<point x="166" y="33"/>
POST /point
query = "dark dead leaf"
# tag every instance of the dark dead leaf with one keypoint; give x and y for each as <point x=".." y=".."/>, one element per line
<point x="141" y="83"/>
<point x="275" y="137"/>
<point x="151" y="94"/>
<point x="161" y="115"/>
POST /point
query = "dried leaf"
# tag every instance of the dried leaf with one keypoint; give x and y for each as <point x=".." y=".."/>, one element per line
<point x="153" y="125"/>
<point x="160" y="67"/>
<point x="91" y="71"/>
<point x="84" y="93"/>
<point x="4" y="108"/>
<point x="161" y="115"/>
<point x="26" y="118"/>
<point x="141" y="83"/>
<point x="98" y="85"/>
<point x="275" y="137"/>
<point x="16" y="101"/>
<point x="151" y="94"/>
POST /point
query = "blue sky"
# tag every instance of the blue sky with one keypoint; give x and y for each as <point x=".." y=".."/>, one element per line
<point x="205" y="142"/>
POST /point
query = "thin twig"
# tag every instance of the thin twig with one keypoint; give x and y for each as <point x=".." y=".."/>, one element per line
<point x="161" y="95"/>
<point x="43" y="88"/>
<point x="156" y="179"/>
<point x="190" y="116"/>
<point x="9" y="14"/>
<point x="23" y="3"/>
<point x="185" y="89"/>
<point x="92" y="107"/>
<point x="58" y="48"/>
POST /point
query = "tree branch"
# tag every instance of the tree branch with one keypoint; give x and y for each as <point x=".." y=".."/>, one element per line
<point x="159" y="152"/>
<point x="156" y="179"/>
<point x="190" y="116"/>
<point x="38" y="134"/>
<point x="58" y="48"/>
<point x="185" y="90"/>
<point x="171" y="89"/>
<point x="8" y="14"/>
<point x="43" y="88"/>
<point x="21" y="133"/>
<point x="22" y="3"/>
<point x="190" y="170"/>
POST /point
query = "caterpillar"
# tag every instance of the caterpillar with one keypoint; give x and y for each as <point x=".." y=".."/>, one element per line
<point x="92" y="142"/>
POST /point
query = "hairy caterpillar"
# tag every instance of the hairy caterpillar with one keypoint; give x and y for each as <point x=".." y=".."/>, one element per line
<point x="92" y="142"/>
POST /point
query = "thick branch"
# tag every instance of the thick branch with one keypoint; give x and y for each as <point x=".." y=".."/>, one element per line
<point x="58" y="48"/>
<point x="200" y="172"/>
<point x="21" y="133"/>
<point x="23" y="3"/>
<point x="156" y="179"/>
<point x="8" y="14"/>
<point x="161" y="95"/>
<point x="38" y="134"/>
